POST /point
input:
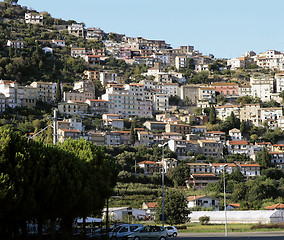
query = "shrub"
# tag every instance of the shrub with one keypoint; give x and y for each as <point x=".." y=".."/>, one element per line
<point x="204" y="220"/>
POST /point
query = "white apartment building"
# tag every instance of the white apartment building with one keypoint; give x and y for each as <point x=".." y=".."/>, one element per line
<point x="73" y="108"/>
<point x="160" y="102"/>
<point x="181" y="62"/>
<point x="123" y="102"/>
<point x="262" y="88"/>
<point x="207" y="94"/>
<point x="172" y="89"/>
<point x="270" y="59"/>
<point x="235" y="134"/>
<point x="235" y="63"/>
<point x="279" y="79"/>
<point x="271" y="116"/>
<point x="225" y="111"/>
<point x="12" y="92"/>
<point x="245" y="90"/>
<point x="238" y="147"/>
<point x="34" y="18"/>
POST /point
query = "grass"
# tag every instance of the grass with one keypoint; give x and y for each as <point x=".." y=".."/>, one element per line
<point x="198" y="228"/>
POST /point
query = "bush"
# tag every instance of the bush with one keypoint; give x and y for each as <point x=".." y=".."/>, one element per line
<point x="268" y="226"/>
<point x="204" y="220"/>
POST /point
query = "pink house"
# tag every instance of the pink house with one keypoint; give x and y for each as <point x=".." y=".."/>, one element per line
<point x="226" y="89"/>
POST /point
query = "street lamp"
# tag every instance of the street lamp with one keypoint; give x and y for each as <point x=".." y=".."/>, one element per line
<point x="225" y="210"/>
<point x="163" y="182"/>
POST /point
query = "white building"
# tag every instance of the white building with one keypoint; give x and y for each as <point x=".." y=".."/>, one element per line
<point x="235" y="134"/>
<point x="203" y="201"/>
<point x="124" y="213"/>
<point x="262" y="88"/>
<point x="34" y="18"/>
<point x="235" y="63"/>
<point x="161" y="102"/>
<point x="172" y="89"/>
<point x="181" y="62"/>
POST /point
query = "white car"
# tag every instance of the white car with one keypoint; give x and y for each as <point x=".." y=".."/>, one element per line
<point x="121" y="231"/>
<point x="172" y="231"/>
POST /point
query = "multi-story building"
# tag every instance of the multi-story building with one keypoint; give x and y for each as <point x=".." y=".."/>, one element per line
<point x="78" y="52"/>
<point x="78" y="96"/>
<point x="181" y="62"/>
<point x="161" y="102"/>
<point x="211" y="148"/>
<point x="97" y="107"/>
<point x="12" y="93"/>
<point x="201" y="180"/>
<point x="172" y="89"/>
<point x="217" y="136"/>
<point x="123" y="103"/>
<point x="222" y="112"/>
<point x="149" y="167"/>
<point x="145" y="138"/>
<point x="154" y="125"/>
<point x="77" y="30"/>
<point x="207" y="94"/>
<point x="73" y="107"/>
<point x="178" y="146"/>
<point x="262" y="87"/>
<point x="108" y="77"/>
<point x="190" y="94"/>
<point x="217" y="168"/>
<point x="58" y="43"/>
<point x="94" y="34"/>
<point x="92" y="75"/>
<point x="279" y="80"/>
<point x="238" y="147"/>
<point x="178" y="128"/>
<point x="34" y="18"/>
<point x="46" y="90"/>
<point x="229" y="90"/>
<point x="249" y="170"/>
<point x="199" y="167"/>
<point x="245" y="90"/>
<point x="64" y="134"/>
<point x="235" y="134"/>
<point x="251" y="114"/>
<point x="271" y="115"/>
<point x="236" y="63"/>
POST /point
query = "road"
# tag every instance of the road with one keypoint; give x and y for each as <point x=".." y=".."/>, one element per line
<point x="234" y="236"/>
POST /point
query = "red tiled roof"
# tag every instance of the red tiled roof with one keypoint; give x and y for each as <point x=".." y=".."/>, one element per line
<point x="152" y="204"/>
<point x="249" y="165"/>
<point x="221" y="164"/>
<point x="275" y="206"/>
<point x="147" y="162"/>
<point x="241" y="142"/>
<point x="192" y="198"/>
<point x="70" y="130"/>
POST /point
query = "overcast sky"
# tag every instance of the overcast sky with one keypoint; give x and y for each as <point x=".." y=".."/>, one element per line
<point x="224" y="28"/>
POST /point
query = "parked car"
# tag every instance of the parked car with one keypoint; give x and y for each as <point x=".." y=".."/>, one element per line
<point x="121" y="231"/>
<point x="148" y="232"/>
<point x="172" y="231"/>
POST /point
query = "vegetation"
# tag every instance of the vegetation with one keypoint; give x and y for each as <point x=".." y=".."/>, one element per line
<point x="44" y="182"/>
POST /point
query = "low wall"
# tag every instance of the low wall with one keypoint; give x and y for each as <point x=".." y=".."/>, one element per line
<point x="260" y="216"/>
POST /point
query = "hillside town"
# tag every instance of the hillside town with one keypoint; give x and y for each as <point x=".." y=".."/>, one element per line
<point x="213" y="117"/>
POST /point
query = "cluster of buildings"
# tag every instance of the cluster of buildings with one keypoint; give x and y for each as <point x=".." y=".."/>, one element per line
<point x="270" y="59"/>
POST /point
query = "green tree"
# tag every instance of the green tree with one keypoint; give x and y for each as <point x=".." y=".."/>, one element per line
<point x="176" y="211"/>
<point x="197" y="111"/>
<point x="58" y="94"/>
<point x="180" y="174"/>
<point x="132" y="134"/>
<point x="263" y="158"/>
<point x="212" y="115"/>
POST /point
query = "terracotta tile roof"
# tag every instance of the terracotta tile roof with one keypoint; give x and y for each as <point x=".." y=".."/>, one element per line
<point x="275" y="206"/>
<point x="276" y="152"/>
<point x="221" y="164"/>
<point x="216" y="132"/>
<point x="235" y="205"/>
<point x="249" y="165"/>
<point x="241" y="142"/>
<point x="152" y="204"/>
<point x="147" y="162"/>
<point x="204" y="175"/>
<point x="192" y="198"/>
<point x="224" y="83"/>
<point x="97" y="100"/>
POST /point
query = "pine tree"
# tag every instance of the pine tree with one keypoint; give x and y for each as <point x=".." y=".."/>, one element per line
<point x="132" y="133"/>
<point x="212" y="115"/>
<point x="58" y="95"/>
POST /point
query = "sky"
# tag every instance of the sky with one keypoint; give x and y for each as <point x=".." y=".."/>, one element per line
<point x="224" y="28"/>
